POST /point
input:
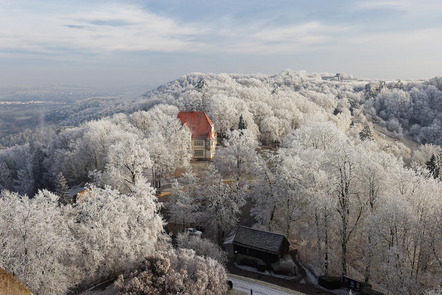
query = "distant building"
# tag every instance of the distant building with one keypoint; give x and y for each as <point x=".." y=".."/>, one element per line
<point x="203" y="138"/>
<point x="78" y="192"/>
<point x="267" y="246"/>
<point x="337" y="77"/>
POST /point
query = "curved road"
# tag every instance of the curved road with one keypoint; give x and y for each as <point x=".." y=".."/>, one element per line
<point x="258" y="288"/>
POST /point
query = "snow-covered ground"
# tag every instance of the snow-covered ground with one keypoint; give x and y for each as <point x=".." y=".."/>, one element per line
<point x="239" y="284"/>
<point x="266" y="272"/>
<point x="109" y="290"/>
<point x="255" y="287"/>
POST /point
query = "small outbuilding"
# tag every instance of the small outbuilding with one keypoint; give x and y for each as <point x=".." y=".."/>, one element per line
<point x="267" y="246"/>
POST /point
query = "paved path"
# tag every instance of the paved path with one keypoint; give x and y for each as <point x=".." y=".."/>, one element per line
<point x="255" y="287"/>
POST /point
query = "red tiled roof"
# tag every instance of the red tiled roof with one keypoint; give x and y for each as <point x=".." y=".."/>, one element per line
<point x="198" y="123"/>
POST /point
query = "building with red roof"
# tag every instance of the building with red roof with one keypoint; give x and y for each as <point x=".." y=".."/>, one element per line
<point x="203" y="139"/>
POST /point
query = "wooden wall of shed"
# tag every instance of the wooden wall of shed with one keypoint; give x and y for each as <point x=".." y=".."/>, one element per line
<point x="285" y="248"/>
<point x="268" y="258"/>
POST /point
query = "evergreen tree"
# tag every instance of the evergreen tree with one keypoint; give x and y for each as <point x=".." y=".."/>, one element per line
<point x="38" y="169"/>
<point x="202" y="87"/>
<point x="5" y="176"/>
<point x="62" y="188"/>
<point x="242" y="124"/>
<point x="201" y="84"/>
<point x="434" y="165"/>
<point x="366" y="133"/>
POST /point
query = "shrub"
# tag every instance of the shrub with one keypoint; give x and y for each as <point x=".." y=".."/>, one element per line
<point x="262" y="267"/>
<point x="202" y="247"/>
<point x="175" y="272"/>
<point x="285" y="266"/>
<point x="251" y="261"/>
<point x="329" y="282"/>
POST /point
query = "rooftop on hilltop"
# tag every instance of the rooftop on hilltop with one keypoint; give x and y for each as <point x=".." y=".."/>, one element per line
<point x="199" y="124"/>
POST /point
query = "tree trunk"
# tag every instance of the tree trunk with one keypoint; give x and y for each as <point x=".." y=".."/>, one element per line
<point x="326" y="263"/>
<point x="369" y="256"/>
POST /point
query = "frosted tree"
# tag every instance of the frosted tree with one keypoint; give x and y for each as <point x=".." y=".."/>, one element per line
<point x="224" y="110"/>
<point x="343" y="167"/>
<point x="323" y="146"/>
<point x="36" y="242"/>
<point x="184" y="206"/>
<point x="291" y="204"/>
<point x="221" y="204"/>
<point x="175" y="272"/>
<point x="434" y="238"/>
<point x="322" y="206"/>
<point x="115" y="230"/>
<point x="18" y="160"/>
<point x="238" y="158"/>
<point x="167" y="140"/>
<point x="126" y="162"/>
<point x="319" y="135"/>
<point x="87" y="150"/>
<point x="272" y="130"/>
<point x="266" y="192"/>
<point x="24" y="183"/>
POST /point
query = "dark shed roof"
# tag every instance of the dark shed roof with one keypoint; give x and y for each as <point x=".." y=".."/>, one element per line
<point x="258" y="239"/>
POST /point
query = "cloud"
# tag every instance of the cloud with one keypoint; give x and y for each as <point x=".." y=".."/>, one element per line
<point x="411" y="7"/>
<point x="292" y="39"/>
<point x="105" y="29"/>
<point x="76" y="27"/>
<point x="111" y="22"/>
<point x="371" y="5"/>
<point x="100" y="30"/>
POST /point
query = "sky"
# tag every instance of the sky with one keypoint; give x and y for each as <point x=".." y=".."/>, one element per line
<point x="100" y="43"/>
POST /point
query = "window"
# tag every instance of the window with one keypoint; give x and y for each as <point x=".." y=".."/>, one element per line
<point x="198" y="153"/>
<point x="198" y="142"/>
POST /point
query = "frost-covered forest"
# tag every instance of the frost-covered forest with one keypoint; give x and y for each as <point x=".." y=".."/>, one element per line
<point x="349" y="171"/>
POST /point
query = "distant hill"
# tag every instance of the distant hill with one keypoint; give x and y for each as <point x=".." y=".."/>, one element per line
<point x="282" y="102"/>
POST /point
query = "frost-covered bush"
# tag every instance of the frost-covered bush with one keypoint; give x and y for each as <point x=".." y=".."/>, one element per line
<point x="286" y="266"/>
<point x="250" y="261"/>
<point x="175" y="272"/>
<point x="202" y="247"/>
<point x="393" y="125"/>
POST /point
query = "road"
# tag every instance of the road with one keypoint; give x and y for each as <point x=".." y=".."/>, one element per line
<point x="259" y="288"/>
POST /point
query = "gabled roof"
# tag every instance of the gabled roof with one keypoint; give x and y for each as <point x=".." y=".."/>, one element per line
<point x="258" y="239"/>
<point x="199" y="124"/>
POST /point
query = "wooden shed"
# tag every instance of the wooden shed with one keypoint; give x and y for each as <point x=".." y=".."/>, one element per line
<point x="267" y="246"/>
